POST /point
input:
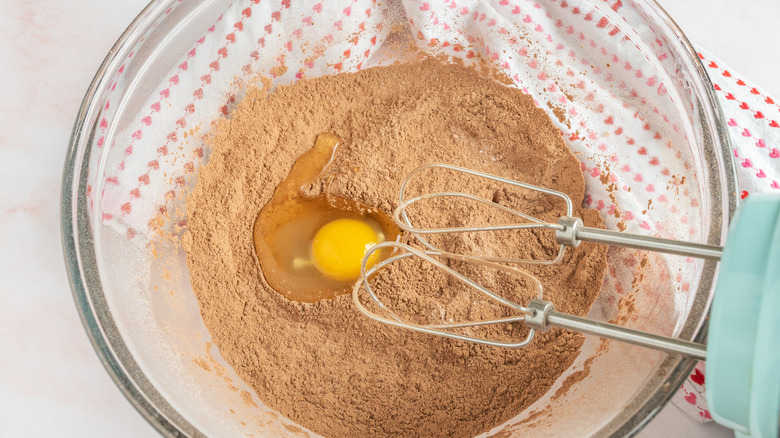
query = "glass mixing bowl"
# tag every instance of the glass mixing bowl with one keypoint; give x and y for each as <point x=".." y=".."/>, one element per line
<point x="619" y="78"/>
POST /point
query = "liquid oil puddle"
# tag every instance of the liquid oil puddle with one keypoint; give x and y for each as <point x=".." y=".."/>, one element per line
<point x="309" y="247"/>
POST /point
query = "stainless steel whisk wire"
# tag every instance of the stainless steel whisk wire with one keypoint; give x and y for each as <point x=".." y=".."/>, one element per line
<point x="539" y="314"/>
<point x="569" y="231"/>
<point x="401" y="217"/>
<point x="402" y="251"/>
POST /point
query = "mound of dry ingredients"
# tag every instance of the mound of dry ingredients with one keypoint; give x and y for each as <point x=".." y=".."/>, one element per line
<point x="324" y="365"/>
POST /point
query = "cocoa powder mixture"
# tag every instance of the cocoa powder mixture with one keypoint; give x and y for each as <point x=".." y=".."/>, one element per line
<point x="324" y="365"/>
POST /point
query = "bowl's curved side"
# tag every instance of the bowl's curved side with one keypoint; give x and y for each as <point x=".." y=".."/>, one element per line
<point x="723" y="187"/>
<point x="81" y="258"/>
<point x="79" y="251"/>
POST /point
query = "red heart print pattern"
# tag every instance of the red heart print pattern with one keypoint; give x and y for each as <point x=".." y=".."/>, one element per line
<point x="697" y="376"/>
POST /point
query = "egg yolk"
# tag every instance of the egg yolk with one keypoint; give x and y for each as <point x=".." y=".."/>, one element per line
<point x="339" y="246"/>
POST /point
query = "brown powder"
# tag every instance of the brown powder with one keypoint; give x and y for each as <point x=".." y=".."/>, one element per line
<point x="324" y="365"/>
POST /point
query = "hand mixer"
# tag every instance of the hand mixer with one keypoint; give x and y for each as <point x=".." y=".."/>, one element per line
<point x="743" y="346"/>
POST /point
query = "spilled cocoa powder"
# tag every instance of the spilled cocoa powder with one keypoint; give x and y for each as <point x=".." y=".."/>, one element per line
<point x="324" y="365"/>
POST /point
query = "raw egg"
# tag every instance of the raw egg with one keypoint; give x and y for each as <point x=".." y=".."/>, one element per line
<point x="310" y="247"/>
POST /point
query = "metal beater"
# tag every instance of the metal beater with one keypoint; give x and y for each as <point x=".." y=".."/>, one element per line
<point x="743" y="389"/>
<point x="569" y="231"/>
<point x="539" y="314"/>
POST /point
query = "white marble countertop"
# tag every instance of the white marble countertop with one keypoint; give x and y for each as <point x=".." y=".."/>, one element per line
<point x="51" y="382"/>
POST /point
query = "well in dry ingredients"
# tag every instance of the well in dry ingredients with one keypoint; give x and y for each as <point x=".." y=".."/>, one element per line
<point x="322" y="364"/>
<point x="310" y="246"/>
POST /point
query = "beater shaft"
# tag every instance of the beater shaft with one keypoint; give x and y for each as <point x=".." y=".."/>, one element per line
<point x="573" y="232"/>
<point x="544" y="316"/>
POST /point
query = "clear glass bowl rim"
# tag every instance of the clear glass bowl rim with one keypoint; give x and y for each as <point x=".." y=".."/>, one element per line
<point x="96" y="317"/>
